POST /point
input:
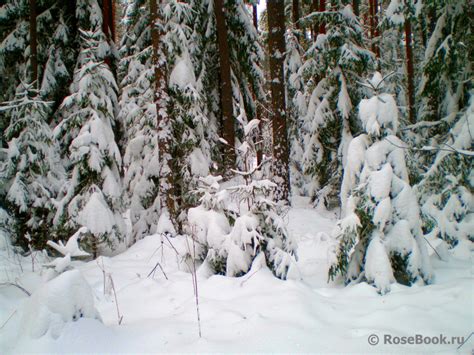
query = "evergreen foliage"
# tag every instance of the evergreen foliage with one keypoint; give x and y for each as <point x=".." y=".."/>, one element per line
<point x="86" y="133"/>
<point x="379" y="238"/>
<point x="31" y="173"/>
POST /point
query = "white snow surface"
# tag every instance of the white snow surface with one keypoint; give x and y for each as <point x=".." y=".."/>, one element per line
<point x="253" y="313"/>
<point x="182" y="74"/>
<point x="379" y="112"/>
<point x="96" y="215"/>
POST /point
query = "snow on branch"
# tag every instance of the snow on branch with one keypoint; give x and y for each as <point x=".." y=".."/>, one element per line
<point x="450" y="149"/>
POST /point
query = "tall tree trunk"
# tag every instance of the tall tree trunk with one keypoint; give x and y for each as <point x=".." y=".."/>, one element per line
<point x="371" y="19"/>
<point x="228" y="132"/>
<point x="410" y="71"/>
<point x="295" y="15"/>
<point x="374" y="22"/>
<point x="108" y="19"/>
<point x="255" y="16"/>
<point x="315" y="28"/>
<point x="33" y="43"/>
<point x="276" y="44"/>
<point x="355" y="7"/>
<point x="322" y="8"/>
<point x="108" y="25"/>
<point x="165" y="187"/>
<point x="258" y="113"/>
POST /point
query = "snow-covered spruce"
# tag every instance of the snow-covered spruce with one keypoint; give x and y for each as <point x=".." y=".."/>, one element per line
<point x="230" y="236"/>
<point x="380" y="237"/>
<point x="334" y="63"/>
<point x="446" y="188"/>
<point x="296" y="109"/>
<point x="31" y="174"/>
<point x="92" y="197"/>
<point x="245" y="208"/>
<point x="137" y="111"/>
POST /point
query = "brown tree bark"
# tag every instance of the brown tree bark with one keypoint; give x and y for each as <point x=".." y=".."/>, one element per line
<point x="373" y="24"/>
<point x="33" y="43"/>
<point x="108" y="25"/>
<point x="355" y="7"/>
<point x="255" y="16"/>
<point x="228" y="132"/>
<point x="410" y="71"/>
<point x="315" y="28"/>
<point x="376" y="27"/>
<point x="258" y="109"/>
<point x="322" y="8"/>
<point x="166" y="183"/>
<point x="295" y="14"/>
<point x="276" y="46"/>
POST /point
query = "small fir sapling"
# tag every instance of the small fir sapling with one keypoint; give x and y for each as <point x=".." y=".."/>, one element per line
<point x="251" y="218"/>
<point x="380" y="237"/>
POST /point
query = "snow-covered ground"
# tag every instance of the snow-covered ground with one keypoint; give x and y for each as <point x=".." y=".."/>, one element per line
<point x="253" y="313"/>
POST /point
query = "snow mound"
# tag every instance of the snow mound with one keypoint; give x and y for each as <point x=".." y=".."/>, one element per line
<point x="64" y="299"/>
<point x="182" y="74"/>
<point x="96" y="215"/>
<point x="72" y="246"/>
<point x="378" y="113"/>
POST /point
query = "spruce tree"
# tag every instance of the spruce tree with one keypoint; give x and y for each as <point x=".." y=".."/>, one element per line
<point x="380" y="238"/>
<point x="31" y="175"/>
<point x="277" y="49"/>
<point x="335" y="63"/>
<point x="93" y="195"/>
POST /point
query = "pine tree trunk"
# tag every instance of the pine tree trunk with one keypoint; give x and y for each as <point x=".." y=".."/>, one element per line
<point x="373" y="23"/>
<point x="255" y="16"/>
<point x="165" y="188"/>
<point x="371" y="19"/>
<point x="376" y="27"/>
<point x="228" y="133"/>
<point x="410" y="72"/>
<point x="107" y="26"/>
<point x="322" y="8"/>
<point x="276" y="44"/>
<point x="355" y="7"/>
<point x="258" y="113"/>
<point x="108" y="19"/>
<point x="295" y="14"/>
<point x="315" y="28"/>
<point x="33" y="43"/>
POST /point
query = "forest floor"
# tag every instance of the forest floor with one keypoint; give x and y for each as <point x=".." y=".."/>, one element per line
<point x="253" y="313"/>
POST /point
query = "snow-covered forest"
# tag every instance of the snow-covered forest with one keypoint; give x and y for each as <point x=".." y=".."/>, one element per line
<point x="236" y="176"/>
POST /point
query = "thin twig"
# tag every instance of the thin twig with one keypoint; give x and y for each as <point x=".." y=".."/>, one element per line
<point x="154" y="269"/>
<point x="5" y="323"/>
<point x="161" y="246"/>
<point x="424" y="149"/>
<point x="171" y="244"/>
<point x="119" y="317"/>
<point x="254" y="169"/>
<point x="16" y="285"/>
<point x="439" y="256"/>
<point x="194" y="278"/>
<point x="103" y="271"/>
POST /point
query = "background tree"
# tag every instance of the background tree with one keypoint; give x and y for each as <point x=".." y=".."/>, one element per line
<point x="92" y="197"/>
<point x="32" y="174"/>
<point x="277" y="49"/>
<point x="228" y="132"/>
